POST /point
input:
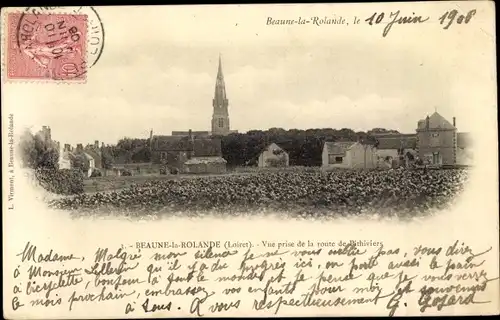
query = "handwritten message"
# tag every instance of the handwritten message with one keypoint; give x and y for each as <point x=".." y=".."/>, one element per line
<point x="390" y="19"/>
<point x="211" y="278"/>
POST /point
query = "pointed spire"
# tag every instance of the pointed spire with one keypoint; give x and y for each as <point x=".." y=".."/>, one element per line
<point x="220" y="87"/>
<point x="220" y="117"/>
<point x="219" y="72"/>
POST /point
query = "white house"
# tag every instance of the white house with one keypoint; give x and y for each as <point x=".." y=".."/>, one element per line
<point x="64" y="159"/>
<point x="349" y="155"/>
<point x="91" y="162"/>
<point x="273" y="156"/>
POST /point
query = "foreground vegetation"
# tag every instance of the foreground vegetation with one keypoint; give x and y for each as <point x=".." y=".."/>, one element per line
<point x="400" y="192"/>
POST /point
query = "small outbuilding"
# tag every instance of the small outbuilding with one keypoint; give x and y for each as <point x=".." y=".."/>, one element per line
<point x="348" y="155"/>
<point x="273" y="156"/>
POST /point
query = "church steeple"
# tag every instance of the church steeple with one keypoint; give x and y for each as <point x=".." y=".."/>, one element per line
<point x="220" y="75"/>
<point x="220" y="86"/>
<point x="220" y="117"/>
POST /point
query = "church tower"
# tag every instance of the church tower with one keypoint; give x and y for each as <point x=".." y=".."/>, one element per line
<point x="220" y="116"/>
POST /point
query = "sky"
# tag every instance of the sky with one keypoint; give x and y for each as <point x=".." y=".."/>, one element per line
<point x="158" y="68"/>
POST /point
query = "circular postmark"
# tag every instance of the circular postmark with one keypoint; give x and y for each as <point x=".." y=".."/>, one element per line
<point x="63" y="42"/>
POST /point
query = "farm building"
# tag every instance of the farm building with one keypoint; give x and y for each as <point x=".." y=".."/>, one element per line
<point x="175" y="151"/>
<point x="348" y="155"/>
<point x="394" y="150"/>
<point x="273" y="156"/>
<point x="205" y="165"/>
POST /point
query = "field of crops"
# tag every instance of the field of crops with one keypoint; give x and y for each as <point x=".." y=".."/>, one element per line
<point x="397" y="192"/>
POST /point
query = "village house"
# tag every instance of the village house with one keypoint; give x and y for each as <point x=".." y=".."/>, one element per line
<point x="65" y="157"/>
<point x="348" y="155"/>
<point x="95" y="152"/>
<point x="273" y="156"/>
<point x="70" y="158"/>
<point x="87" y="159"/>
<point x="437" y="140"/>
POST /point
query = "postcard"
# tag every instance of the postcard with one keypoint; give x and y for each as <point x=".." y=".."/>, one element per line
<point x="250" y="160"/>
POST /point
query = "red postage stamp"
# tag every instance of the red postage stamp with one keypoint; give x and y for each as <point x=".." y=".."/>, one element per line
<point x="46" y="46"/>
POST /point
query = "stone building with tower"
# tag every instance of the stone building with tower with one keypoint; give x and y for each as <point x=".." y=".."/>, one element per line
<point x="437" y="140"/>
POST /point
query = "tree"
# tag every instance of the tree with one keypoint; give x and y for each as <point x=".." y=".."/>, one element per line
<point x="79" y="162"/>
<point x="141" y="154"/>
<point x="107" y="158"/>
<point x="276" y="162"/>
<point x="37" y="153"/>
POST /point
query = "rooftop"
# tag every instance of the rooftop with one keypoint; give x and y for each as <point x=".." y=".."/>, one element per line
<point x="201" y="146"/>
<point x="436" y="121"/>
<point x="407" y="141"/>
<point x="338" y="148"/>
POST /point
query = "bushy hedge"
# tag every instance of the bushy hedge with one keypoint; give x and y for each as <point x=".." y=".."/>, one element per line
<point x="96" y="173"/>
<point x="64" y="181"/>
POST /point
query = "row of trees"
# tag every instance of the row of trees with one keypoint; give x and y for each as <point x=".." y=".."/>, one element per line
<point x="242" y="149"/>
<point x="130" y="150"/>
<point x="303" y="146"/>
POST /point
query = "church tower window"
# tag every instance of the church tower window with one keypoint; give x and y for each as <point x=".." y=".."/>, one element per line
<point x="221" y="123"/>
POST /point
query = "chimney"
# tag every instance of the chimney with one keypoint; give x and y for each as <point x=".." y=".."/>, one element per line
<point x="454" y="122"/>
<point x="79" y="147"/>
<point x="427" y="123"/>
<point x="96" y="144"/>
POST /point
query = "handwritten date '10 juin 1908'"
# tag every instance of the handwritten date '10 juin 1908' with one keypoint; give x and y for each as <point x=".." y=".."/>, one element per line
<point x="446" y="19"/>
<point x="272" y="279"/>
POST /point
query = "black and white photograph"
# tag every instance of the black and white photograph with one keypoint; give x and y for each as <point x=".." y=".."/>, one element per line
<point x="250" y="160"/>
<point x="303" y="130"/>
